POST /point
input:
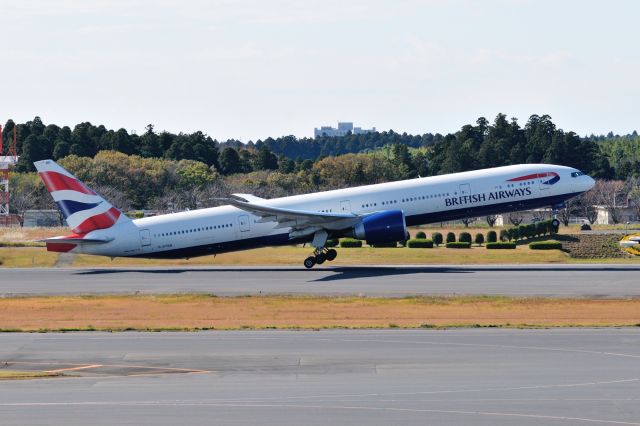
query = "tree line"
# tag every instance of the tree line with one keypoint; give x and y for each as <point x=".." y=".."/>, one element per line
<point x="177" y="171"/>
<point x="480" y="145"/>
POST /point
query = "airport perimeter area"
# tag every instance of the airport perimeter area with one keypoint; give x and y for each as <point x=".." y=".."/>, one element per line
<point x="380" y="336"/>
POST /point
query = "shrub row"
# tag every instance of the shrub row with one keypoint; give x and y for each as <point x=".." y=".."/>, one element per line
<point x="420" y="243"/>
<point x="528" y="231"/>
<point x="545" y="245"/>
<point x="459" y="244"/>
<point x="350" y="243"/>
<point x="464" y="237"/>
<point x="500" y="245"/>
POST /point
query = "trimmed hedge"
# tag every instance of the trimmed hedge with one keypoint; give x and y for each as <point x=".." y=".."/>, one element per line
<point x="459" y="245"/>
<point x="531" y="230"/>
<point x="465" y="237"/>
<point x="545" y="245"/>
<point x="492" y="237"/>
<point x="350" y="243"/>
<point x="451" y="237"/>
<point x="500" y="246"/>
<point x="331" y="243"/>
<point x="479" y="239"/>
<point x="385" y="245"/>
<point x="421" y="235"/>
<point x="420" y="243"/>
<point x="437" y="238"/>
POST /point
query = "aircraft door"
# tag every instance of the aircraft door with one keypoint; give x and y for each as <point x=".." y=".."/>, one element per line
<point x="345" y="206"/>
<point x="243" y="223"/>
<point x="145" y="240"/>
<point x="465" y="189"/>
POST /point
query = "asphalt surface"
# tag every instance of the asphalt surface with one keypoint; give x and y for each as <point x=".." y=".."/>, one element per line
<point x="337" y="377"/>
<point x="599" y="281"/>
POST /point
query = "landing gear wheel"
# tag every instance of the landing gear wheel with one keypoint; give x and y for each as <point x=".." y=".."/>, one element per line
<point x="555" y="223"/>
<point x="320" y="258"/>
<point x="331" y="254"/>
<point x="309" y="262"/>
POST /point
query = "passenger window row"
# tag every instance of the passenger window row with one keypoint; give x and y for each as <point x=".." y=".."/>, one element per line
<point x="189" y="231"/>
<point x="425" y="197"/>
<point x="409" y="199"/>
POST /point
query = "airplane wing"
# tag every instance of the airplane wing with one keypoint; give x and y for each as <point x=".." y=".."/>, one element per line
<point x="302" y="222"/>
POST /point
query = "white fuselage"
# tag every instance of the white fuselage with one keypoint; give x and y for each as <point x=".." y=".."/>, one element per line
<point x="423" y="200"/>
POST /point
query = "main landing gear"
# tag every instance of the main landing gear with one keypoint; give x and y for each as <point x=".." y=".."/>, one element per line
<point x="321" y="254"/>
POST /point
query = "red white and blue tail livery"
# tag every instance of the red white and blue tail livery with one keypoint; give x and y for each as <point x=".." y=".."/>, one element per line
<point x="83" y="209"/>
<point x="376" y="213"/>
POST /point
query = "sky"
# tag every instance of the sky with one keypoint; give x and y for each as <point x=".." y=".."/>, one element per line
<point x="250" y="69"/>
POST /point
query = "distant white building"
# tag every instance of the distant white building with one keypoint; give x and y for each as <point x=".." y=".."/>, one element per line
<point x="342" y="130"/>
<point x="526" y="216"/>
<point x="625" y="214"/>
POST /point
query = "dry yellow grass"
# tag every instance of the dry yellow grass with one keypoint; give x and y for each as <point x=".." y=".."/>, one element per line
<point x="23" y="375"/>
<point x="30" y="234"/>
<point x="349" y="256"/>
<point x="206" y="312"/>
<point x="38" y="257"/>
<point x="26" y="257"/>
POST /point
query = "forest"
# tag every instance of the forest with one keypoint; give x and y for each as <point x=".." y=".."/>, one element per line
<point x="168" y="171"/>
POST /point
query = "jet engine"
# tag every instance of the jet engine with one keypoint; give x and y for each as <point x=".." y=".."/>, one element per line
<point x="382" y="227"/>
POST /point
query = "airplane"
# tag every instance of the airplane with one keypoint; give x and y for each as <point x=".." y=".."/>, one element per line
<point x="378" y="213"/>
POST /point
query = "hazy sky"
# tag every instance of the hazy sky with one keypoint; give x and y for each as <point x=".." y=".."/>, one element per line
<point x="252" y="69"/>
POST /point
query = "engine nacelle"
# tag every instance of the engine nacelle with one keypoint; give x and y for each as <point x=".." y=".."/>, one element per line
<point x="383" y="227"/>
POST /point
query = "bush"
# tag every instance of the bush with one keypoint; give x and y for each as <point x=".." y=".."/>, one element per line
<point x="479" y="239"/>
<point x="459" y="245"/>
<point x="385" y="245"/>
<point x="350" y="243"/>
<point x="500" y="245"/>
<point x="331" y="243"/>
<point x="437" y="238"/>
<point x="465" y="237"/>
<point x="420" y="243"/>
<point x="421" y="235"/>
<point x="585" y="227"/>
<point x="545" y="245"/>
<point x="531" y="230"/>
<point x="492" y="237"/>
<point x="504" y="235"/>
<point x="451" y="237"/>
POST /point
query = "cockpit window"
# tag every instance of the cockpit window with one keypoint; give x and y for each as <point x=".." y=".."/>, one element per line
<point x="576" y="174"/>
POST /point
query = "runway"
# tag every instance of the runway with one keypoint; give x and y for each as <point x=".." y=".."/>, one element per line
<point x="599" y="281"/>
<point x="341" y="377"/>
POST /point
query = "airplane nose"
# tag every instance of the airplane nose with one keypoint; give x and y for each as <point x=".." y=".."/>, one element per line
<point x="590" y="183"/>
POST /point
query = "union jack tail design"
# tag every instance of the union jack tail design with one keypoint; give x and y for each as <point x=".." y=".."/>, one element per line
<point x="83" y="209"/>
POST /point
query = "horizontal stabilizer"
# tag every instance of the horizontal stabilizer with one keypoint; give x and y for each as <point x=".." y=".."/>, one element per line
<point x="76" y="240"/>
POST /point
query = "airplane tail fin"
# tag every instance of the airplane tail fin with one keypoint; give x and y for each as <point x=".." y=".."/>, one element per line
<point x="83" y="209"/>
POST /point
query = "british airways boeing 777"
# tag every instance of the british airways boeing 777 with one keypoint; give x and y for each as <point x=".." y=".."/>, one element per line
<point x="376" y="213"/>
